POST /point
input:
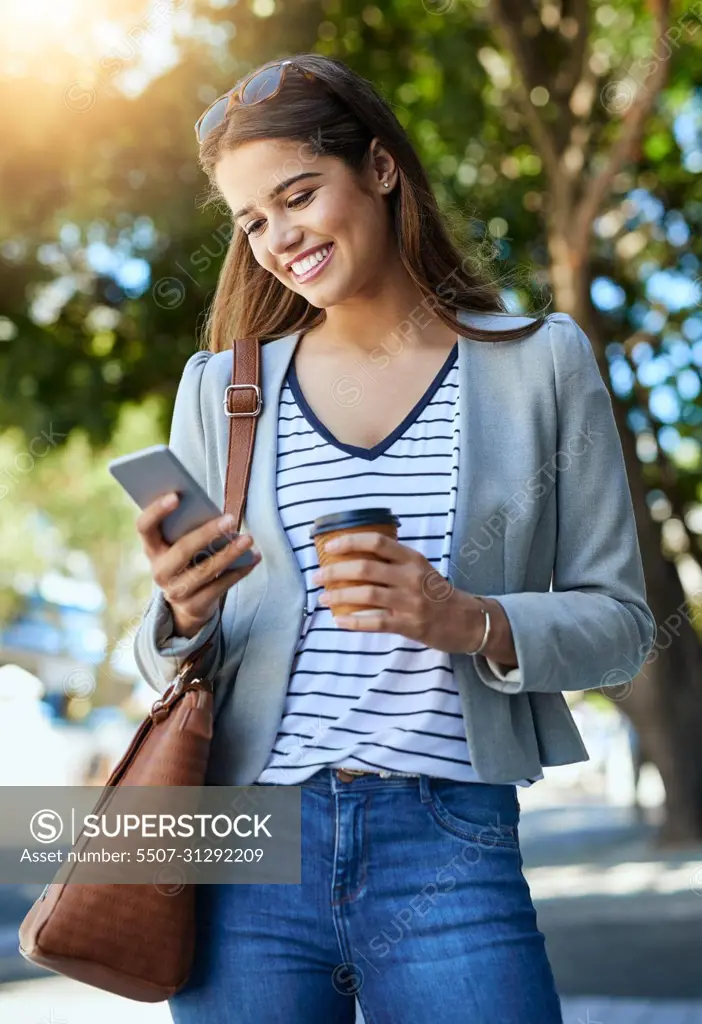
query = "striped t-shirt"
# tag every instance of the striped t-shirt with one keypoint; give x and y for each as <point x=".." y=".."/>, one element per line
<point x="356" y="699"/>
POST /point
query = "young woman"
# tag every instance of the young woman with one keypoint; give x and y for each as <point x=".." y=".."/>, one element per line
<point x="392" y="377"/>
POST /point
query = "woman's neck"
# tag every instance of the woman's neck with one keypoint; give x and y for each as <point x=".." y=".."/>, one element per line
<point x="391" y="321"/>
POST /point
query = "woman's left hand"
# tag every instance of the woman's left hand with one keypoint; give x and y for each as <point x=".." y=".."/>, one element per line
<point x="416" y="601"/>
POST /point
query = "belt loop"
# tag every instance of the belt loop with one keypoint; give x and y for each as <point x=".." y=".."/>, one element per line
<point x="425" y="788"/>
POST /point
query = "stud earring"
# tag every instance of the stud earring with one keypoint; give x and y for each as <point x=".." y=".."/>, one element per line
<point x="386" y="184"/>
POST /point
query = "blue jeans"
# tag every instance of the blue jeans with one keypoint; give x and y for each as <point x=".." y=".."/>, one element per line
<point x="412" y="901"/>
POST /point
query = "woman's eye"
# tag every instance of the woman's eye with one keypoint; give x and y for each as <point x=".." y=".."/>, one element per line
<point x="294" y="203"/>
<point x="300" y="199"/>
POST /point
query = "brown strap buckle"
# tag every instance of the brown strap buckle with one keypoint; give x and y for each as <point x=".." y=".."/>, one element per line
<point x="238" y="387"/>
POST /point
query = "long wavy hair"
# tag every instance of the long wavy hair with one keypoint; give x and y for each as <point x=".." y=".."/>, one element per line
<point x="338" y="115"/>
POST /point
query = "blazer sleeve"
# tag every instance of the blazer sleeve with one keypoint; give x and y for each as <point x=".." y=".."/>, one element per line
<point x="594" y="628"/>
<point x="160" y="655"/>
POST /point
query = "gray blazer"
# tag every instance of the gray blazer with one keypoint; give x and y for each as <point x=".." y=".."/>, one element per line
<point x="544" y="523"/>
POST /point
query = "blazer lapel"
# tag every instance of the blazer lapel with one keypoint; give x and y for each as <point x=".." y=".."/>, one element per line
<point x="468" y="559"/>
<point x="456" y="571"/>
<point x="258" y="698"/>
<point x="487" y="474"/>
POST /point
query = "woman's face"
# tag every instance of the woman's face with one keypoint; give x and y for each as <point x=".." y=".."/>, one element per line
<point x="323" y="212"/>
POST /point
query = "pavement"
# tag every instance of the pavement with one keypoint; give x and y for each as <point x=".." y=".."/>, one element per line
<point x="622" y="920"/>
<point x="59" y="1001"/>
<point x="621" y="917"/>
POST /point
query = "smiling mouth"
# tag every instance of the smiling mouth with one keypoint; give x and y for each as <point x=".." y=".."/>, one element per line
<point x="317" y="269"/>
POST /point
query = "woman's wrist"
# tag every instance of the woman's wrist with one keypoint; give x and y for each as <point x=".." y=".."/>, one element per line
<point x="499" y="646"/>
<point x="183" y="626"/>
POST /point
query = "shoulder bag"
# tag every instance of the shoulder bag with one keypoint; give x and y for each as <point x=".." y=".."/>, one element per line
<point x="133" y="939"/>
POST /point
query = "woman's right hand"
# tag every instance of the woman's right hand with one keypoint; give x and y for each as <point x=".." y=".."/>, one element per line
<point x="193" y="592"/>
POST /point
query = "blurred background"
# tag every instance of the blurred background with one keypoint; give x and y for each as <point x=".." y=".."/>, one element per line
<point x="564" y="142"/>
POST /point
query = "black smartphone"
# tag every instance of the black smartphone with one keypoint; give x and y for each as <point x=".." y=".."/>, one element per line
<point x="153" y="472"/>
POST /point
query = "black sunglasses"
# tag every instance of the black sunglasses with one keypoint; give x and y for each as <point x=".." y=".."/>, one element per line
<point x="255" y="88"/>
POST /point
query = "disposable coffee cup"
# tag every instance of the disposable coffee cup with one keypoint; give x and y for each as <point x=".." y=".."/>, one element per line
<point x="337" y="524"/>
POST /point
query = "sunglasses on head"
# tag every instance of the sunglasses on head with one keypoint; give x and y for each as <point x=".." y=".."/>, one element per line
<point x="255" y="88"/>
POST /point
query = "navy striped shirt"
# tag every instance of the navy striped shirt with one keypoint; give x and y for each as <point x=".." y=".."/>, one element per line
<point x="356" y="699"/>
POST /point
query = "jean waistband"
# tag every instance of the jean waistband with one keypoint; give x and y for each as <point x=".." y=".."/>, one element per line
<point x="329" y="779"/>
<point x="493" y="796"/>
<point x="327" y="772"/>
<point x="382" y="772"/>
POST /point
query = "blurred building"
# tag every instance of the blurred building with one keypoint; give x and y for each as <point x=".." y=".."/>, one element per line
<point x="59" y="632"/>
<point x="50" y="731"/>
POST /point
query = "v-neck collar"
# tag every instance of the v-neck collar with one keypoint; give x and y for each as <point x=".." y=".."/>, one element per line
<point x="369" y="454"/>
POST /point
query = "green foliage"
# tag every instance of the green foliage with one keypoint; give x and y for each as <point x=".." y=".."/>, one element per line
<point x="87" y="164"/>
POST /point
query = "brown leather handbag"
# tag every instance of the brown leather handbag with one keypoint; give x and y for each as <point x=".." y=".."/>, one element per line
<point x="133" y="939"/>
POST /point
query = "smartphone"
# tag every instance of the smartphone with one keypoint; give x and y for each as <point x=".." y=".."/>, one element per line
<point x="150" y="473"/>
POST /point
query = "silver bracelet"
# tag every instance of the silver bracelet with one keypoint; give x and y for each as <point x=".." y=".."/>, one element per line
<point x="486" y="634"/>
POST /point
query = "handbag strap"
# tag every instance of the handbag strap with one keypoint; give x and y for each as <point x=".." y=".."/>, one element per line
<point x="242" y="404"/>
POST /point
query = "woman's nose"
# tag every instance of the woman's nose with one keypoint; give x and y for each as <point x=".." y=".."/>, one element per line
<point x="283" y="241"/>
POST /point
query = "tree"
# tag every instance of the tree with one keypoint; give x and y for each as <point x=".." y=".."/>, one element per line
<point x="589" y="139"/>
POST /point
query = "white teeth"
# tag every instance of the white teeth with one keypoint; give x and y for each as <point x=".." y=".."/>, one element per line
<point x="302" y="266"/>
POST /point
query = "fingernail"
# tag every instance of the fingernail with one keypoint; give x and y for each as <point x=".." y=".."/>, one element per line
<point x="226" y="521"/>
<point x="170" y="500"/>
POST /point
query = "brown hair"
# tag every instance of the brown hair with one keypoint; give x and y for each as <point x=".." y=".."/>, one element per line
<point x="347" y="114"/>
